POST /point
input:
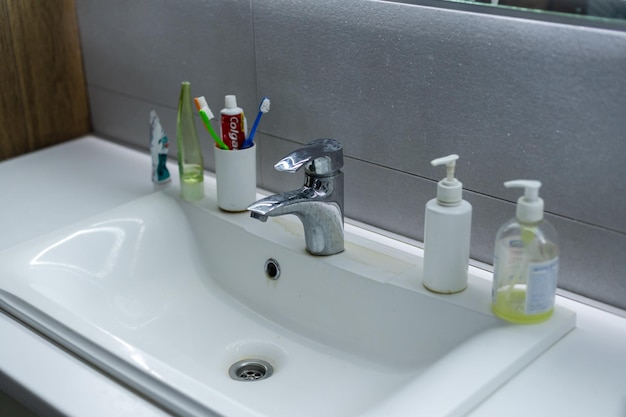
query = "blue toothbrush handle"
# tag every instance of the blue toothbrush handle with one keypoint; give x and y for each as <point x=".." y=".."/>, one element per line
<point x="250" y="140"/>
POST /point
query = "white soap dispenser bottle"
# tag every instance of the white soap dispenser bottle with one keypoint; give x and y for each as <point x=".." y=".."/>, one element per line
<point x="447" y="231"/>
<point x="526" y="261"/>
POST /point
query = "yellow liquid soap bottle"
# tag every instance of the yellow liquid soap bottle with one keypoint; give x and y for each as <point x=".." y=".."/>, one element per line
<point x="526" y="261"/>
<point x="190" y="161"/>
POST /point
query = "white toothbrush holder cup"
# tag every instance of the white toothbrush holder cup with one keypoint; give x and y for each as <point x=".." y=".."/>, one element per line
<point x="235" y="172"/>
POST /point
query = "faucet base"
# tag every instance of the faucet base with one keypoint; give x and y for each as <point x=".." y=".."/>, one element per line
<point x="323" y="228"/>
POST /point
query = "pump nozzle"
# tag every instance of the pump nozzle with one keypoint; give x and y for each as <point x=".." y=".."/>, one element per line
<point x="530" y="205"/>
<point x="450" y="162"/>
<point x="449" y="189"/>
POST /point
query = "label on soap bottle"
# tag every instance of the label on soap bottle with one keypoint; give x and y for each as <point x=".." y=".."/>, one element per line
<point x="541" y="287"/>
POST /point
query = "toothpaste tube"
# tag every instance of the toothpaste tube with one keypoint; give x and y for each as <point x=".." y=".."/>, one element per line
<point x="233" y="124"/>
<point x="159" y="145"/>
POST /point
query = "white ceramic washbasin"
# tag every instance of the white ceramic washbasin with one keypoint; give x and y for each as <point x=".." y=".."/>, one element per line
<point x="164" y="296"/>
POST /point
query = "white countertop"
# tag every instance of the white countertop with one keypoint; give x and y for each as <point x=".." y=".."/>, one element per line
<point x="584" y="374"/>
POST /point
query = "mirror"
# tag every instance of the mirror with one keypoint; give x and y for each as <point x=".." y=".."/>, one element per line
<point x="610" y="14"/>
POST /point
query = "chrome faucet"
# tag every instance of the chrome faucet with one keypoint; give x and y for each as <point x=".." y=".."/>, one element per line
<point x="319" y="203"/>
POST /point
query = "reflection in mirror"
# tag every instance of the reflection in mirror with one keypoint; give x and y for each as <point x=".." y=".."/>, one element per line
<point x="612" y="9"/>
<point x="611" y="13"/>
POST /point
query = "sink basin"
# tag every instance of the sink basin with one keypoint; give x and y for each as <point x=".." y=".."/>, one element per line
<point x="165" y="296"/>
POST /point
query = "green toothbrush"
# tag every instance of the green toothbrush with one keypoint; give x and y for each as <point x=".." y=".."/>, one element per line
<point x="206" y="115"/>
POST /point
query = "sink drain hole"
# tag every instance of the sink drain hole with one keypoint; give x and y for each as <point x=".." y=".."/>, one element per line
<point x="250" y="370"/>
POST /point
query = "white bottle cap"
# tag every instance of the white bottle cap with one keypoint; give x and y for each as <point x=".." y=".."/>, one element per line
<point x="449" y="189"/>
<point x="529" y="206"/>
<point x="230" y="102"/>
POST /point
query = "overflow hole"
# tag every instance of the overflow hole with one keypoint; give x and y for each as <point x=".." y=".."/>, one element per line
<point x="272" y="269"/>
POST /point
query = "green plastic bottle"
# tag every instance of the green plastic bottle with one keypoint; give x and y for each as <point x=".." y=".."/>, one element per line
<point x="526" y="261"/>
<point x="190" y="161"/>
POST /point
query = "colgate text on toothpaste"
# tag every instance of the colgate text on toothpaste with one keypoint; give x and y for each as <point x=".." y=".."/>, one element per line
<point x="233" y="130"/>
<point x="233" y="124"/>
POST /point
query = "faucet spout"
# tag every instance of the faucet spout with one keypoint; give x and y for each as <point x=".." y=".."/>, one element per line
<point x="318" y="204"/>
<point x="256" y="215"/>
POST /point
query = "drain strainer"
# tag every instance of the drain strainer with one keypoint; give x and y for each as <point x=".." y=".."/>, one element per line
<point x="250" y="370"/>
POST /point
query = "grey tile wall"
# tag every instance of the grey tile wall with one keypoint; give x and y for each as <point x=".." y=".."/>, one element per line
<point x="399" y="85"/>
<point x="142" y="50"/>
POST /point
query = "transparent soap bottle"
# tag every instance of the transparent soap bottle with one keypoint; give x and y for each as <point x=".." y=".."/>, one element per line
<point x="526" y="261"/>
<point x="190" y="161"/>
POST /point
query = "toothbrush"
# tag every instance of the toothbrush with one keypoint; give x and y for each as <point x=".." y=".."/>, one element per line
<point x="206" y="115"/>
<point x="264" y="107"/>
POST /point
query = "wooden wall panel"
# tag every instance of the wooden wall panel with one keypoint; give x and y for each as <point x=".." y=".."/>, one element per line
<point x="44" y="99"/>
<point x="12" y="128"/>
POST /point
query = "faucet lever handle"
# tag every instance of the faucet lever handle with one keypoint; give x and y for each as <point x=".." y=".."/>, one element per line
<point x="321" y="157"/>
